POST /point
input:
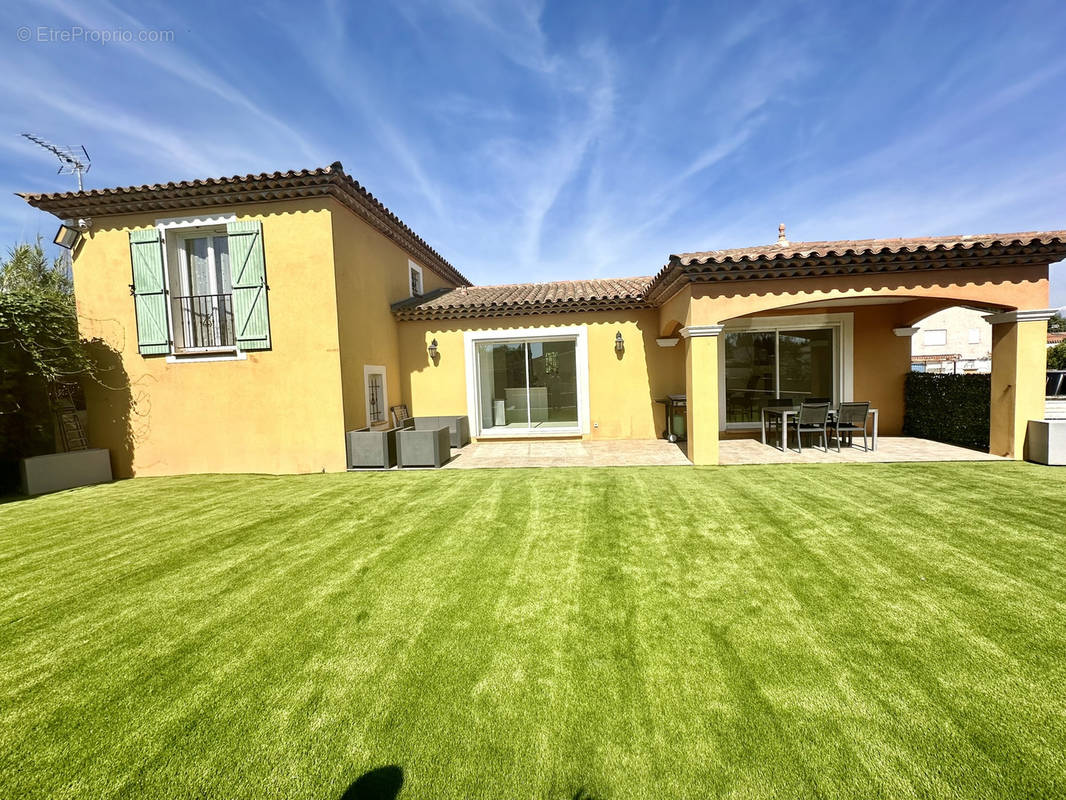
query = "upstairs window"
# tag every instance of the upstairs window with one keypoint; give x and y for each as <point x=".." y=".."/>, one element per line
<point x="415" y="278"/>
<point x="199" y="285"/>
<point x="202" y="292"/>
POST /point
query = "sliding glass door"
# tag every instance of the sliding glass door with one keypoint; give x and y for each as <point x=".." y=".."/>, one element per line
<point x="528" y="385"/>
<point x="806" y="364"/>
<point x="764" y="365"/>
<point x="750" y="373"/>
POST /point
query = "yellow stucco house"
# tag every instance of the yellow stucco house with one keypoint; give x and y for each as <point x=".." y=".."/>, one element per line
<point x="252" y="320"/>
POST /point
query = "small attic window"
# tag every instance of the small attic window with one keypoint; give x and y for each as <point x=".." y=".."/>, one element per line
<point x="415" y="273"/>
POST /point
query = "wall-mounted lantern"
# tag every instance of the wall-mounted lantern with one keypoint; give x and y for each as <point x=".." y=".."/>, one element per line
<point x="619" y="343"/>
<point x="433" y="350"/>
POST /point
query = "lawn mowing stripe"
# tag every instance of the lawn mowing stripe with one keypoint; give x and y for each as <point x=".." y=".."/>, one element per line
<point x="641" y="633"/>
<point x="191" y="642"/>
<point x="962" y="633"/>
<point x="413" y="527"/>
<point x="432" y="682"/>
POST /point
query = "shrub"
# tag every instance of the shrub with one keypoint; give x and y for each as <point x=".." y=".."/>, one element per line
<point x="1056" y="356"/>
<point x="40" y="349"/>
<point x="948" y="408"/>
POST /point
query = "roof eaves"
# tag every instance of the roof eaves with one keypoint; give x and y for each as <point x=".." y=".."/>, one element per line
<point x="411" y="302"/>
<point x="264" y="187"/>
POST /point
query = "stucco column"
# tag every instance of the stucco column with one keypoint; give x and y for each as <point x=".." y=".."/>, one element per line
<point x="701" y="387"/>
<point x="1019" y="364"/>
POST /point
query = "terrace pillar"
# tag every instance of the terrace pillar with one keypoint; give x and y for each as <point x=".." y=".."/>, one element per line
<point x="1019" y="365"/>
<point x="701" y="387"/>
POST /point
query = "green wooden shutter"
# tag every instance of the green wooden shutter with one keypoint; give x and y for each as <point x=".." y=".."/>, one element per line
<point x="251" y="317"/>
<point x="149" y="290"/>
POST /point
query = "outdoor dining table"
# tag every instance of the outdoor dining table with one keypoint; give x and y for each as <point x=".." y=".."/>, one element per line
<point x="784" y="412"/>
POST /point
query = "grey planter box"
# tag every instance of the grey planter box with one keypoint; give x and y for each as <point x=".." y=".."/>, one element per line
<point x="1045" y="442"/>
<point x="423" y="448"/>
<point x="370" y="449"/>
<point x="458" y="427"/>
<point x="53" y="473"/>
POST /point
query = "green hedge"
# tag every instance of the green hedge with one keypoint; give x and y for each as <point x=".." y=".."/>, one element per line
<point x="948" y="408"/>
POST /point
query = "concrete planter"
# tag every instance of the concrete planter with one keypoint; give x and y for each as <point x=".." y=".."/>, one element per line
<point x="53" y="473"/>
<point x="1045" y="442"/>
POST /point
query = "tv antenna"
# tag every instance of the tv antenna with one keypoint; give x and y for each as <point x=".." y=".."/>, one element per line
<point x="72" y="160"/>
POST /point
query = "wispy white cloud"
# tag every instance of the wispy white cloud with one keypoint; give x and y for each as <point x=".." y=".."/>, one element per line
<point x="170" y="59"/>
<point x="336" y="69"/>
<point x="512" y="28"/>
<point x="536" y="140"/>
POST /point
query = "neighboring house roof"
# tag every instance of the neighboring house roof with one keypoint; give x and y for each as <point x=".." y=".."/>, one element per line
<point x="1056" y="338"/>
<point x="937" y="358"/>
<point x="329" y="181"/>
<point x="785" y="259"/>
<point x="608" y="294"/>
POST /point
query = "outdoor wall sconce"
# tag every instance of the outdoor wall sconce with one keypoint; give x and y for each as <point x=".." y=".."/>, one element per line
<point x="619" y="343"/>
<point x="433" y="350"/>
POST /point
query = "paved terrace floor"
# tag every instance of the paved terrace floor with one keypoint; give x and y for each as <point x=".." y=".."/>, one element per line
<point x="657" y="452"/>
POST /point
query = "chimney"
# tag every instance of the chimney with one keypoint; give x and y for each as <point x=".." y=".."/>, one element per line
<point x="781" y="238"/>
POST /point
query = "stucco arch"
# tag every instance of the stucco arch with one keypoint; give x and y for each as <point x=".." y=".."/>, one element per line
<point x="907" y="310"/>
<point x="1027" y="287"/>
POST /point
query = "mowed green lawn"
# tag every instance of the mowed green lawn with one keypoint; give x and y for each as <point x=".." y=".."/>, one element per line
<point x="864" y="631"/>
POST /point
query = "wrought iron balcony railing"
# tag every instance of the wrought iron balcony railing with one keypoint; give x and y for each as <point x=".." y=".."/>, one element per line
<point x="203" y="321"/>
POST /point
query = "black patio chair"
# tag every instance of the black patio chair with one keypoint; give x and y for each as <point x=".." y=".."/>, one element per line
<point x="850" y="418"/>
<point x="812" y="418"/>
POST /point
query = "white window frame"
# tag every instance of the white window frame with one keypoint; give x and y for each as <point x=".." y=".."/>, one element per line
<point x="843" y="326"/>
<point x="174" y="230"/>
<point x="375" y="369"/>
<point x="209" y="233"/>
<point x="413" y="267"/>
<point x="576" y="333"/>
<point x="973" y="336"/>
<point x="927" y="332"/>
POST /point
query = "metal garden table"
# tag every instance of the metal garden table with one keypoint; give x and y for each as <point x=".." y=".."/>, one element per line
<point x="784" y="412"/>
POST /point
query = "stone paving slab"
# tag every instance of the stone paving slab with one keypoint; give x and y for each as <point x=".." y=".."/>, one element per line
<point x="570" y="453"/>
<point x="889" y="449"/>
<point x="657" y="452"/>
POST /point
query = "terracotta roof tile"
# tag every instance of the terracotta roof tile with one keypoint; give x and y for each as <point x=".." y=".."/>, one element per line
<point x="778" y="260"/>
<point x="791" y="260"/>
<point x="263" y="187"/>
<point x="527" y="298"/>
<point x="865" y="246"/>
<point x="936" y="358"/>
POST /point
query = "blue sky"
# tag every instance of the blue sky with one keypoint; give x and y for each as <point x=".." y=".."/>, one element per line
<point x="538" y="141"/>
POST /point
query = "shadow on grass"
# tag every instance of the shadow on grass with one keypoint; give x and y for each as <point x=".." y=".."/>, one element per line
<point x="382" y="783"/>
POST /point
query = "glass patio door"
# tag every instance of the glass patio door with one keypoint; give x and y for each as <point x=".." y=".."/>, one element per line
<point x="527" y="386"/>
<point x="805" y="364"/>
<point x="761" y="366"/>
<point x="750" y="374"/>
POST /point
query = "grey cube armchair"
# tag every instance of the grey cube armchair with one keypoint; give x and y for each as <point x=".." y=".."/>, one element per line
<point x="423" y="448"/>
<point x="458" y="427"/>
<point x="371" y="449"/>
